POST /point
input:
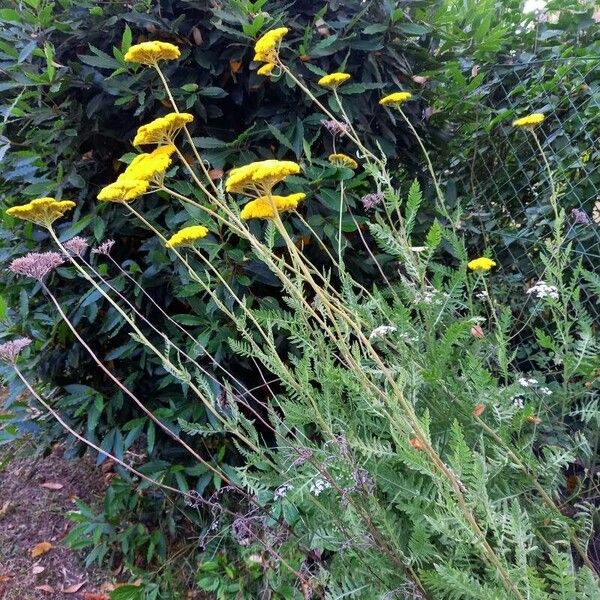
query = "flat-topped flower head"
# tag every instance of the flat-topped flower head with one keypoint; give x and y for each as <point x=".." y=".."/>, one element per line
<point x="149" y="53"/>
<point x="266" y="69"/>
<point x="343" y="160"/>
<point x="395" y="99"/>
<point x="260" y="176"/>
<point x="262" y="207"/>
<point x="36" y="264"/>
<point x="124" y="190"/>
<point x="481" y="264"/>
<point x="76" y="245"/>
<point x="529" y="121"/>
<point x="104" y="247"/>
<point x="187" y="236"/>
<point x="267" y="45"/>
<point x="43" y="211"/>
<point x="333" y="80"/>
<point x="10" y="350"/>
<point x="149" y="166"/>
<point x="162" y="130"/>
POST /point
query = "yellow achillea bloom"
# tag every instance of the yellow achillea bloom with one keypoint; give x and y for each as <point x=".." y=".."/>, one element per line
<point x="187" y="236"/>
<point x="333" y="80"/>
<point x="149" y="166"/>
<point x="124" y="190"/>
<point x="262" y="208"/>
<point x="266" y="69"/>
<point x="343" y="160"/>
<point x="266" y="46"/>
<point x="261" y="175"/>
<point x="395" y="99"/>
<point x="481" y="264"/>
<point x="42" y="211"/>
<point x="529" y="120"/>
<point x="149" y="53"/>
<point x="162" y="130"/>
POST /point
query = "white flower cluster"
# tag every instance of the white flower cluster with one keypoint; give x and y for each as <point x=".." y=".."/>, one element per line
<point x="282" y="491"/>
<point x="432" y="297"/>
<point x="542" y="290"/>
<point x="381" y="331"/>
<point x="546" y="391"/>
<point x="481" y="295"/>
<point x="319" y="485"/>
<point x="518" y="401"/>
<point x="527" y="382"/>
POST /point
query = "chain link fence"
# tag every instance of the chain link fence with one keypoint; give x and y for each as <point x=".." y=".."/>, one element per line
<point x="505" y="178"/>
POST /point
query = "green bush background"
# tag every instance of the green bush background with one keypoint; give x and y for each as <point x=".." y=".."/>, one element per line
<point x="70" y="107"/>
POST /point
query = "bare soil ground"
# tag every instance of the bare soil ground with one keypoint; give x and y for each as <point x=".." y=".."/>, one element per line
<point x="35" y="495"/>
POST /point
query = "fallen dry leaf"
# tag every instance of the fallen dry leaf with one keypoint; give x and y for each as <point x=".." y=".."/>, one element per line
<point x="4" y="578"/>
<point x="74" y="588"/>
<point x="52" y="486"/>
<point x="40" y="549"/>
<point x="5" y="508"/>
<point x="37" y="569"/>
<point x="47" y="589"/>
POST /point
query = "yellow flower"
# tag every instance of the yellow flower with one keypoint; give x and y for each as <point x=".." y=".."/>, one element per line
<point x="124" y="190"/>
<point x="43" y="211"/>
<point x="529" y="120"/>
<point x="266" y="46"/>
<point x="149" y="53"/>
<point x="395" y="99"/>
<point x="333" y="80"/>
<point x="162" y="130"/>
<point x="261" y="175"/>
<point x="262" y="208"/>
<point x="149" y="166"/>
<point x="481" y="264"/>
<point x="187" y="236"/>
<point x="266" y="69"/>
<point x="343" y="160"/>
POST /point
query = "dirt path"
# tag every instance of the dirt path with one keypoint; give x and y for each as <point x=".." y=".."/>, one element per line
<point x="35" y="495"/>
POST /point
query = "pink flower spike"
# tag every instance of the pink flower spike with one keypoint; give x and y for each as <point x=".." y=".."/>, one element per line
<point x="10" y="350"/>
<point x="36" y="264"/>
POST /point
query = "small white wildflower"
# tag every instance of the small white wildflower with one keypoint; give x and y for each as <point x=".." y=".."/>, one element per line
<point x="524" y="382"/>
<point x="532" y="381"/>
<point x="542" y="290"/>
<point x="381" y="331"/>
<point x="319" y="485"/>
<point x="518" y="401"/>
<point x="282" y="491"/>
<point x="546" y="391"/>
<point x="481" y="295"/>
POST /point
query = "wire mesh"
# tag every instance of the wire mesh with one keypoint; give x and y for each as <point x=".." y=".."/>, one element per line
<point x="507" y="179"/>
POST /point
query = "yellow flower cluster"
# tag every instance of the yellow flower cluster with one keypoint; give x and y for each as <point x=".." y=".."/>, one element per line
<point x="43" y="211"/>
<point x="162" y="130"/>
<point x="529" y="120"/>
<point x="123" y="190"/>
<point x="333" y="80"/>
<point x="260" y="176"/>
<point x="149" y="166"/>
<point x="266" y="70"/>
<point x="481" y="264"/>
<point x="395" y="99"/>
<point x="343" y="160"/>
<point x="149" y="53"/>
<point x="266" y="46"/>
<point x="187" y="236"/>
<point x="262" y="208"/>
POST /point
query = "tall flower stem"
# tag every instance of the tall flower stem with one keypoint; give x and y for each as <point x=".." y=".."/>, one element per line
<point x="91" y="444"/>
<point x="126" y="390"/>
